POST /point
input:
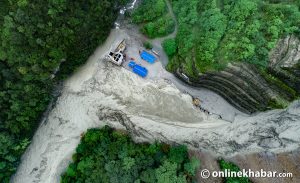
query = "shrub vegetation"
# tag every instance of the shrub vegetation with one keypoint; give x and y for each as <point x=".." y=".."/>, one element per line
<point x="148" y="45"/>
<point x="226" y="165"/>
<point x="170" y="47"/>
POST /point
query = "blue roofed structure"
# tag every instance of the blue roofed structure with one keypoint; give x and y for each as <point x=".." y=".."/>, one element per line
<point x="139" y="70"/>
<point x="148" y="57"/>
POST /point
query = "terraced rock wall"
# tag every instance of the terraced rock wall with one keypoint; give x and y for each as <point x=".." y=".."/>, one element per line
<point x="251" y="89"/>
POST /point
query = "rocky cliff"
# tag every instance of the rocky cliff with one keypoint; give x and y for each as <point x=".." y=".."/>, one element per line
<point x="251" y="89"/>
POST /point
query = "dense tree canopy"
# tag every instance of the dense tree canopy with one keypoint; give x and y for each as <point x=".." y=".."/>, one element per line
<point x="213" y="33"/>
<point x="37" y="39"/>
<point x="170" y="47"/>
<point x="154" y="18"/>
<point x="106" y="155"/>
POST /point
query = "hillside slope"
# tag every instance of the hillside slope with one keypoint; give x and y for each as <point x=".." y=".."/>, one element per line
<point x="251" y="89"/>
<point x="246" y="51"/>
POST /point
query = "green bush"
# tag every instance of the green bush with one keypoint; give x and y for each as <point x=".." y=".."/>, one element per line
<point x="225" y="165"/>
<point x="276" y="104"/>
<point x="107" y="155"/>
<point x="170" y="47"/>
<point x="148" y="45"/>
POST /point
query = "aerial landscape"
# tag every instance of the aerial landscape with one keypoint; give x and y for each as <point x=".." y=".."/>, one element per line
<point x="146" y="91"/>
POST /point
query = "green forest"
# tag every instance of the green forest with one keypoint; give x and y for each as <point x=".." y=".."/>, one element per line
<point x="110" y="155"/>
<point x="213" y="33"/>
<point x="38" y="38"/>
<point x="107" y="155"/>
<point x="154" y="18"/>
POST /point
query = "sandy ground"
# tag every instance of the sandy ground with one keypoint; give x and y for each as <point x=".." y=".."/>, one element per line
<point x="210" y="101"/>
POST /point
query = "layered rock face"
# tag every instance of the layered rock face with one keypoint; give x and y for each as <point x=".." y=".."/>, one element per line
<point x="285" y="62"/>
<point x="250" y="89"/>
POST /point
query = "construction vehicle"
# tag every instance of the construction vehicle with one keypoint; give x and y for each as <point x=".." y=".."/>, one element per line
<point x="117" y="56"/>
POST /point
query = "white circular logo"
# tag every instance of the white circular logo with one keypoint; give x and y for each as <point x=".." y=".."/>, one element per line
<point x="205" y="173"/>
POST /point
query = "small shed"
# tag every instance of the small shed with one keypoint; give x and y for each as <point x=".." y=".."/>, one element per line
<point x="148" y="57"/>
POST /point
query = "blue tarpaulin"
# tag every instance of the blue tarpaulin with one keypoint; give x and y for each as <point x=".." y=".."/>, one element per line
<point x="148" y="57"/>
<point x="131" y="64"/>
<point x="139" y="70"/>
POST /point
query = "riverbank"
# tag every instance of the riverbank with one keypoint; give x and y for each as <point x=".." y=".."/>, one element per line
<point x="153" y="109"/>
<point x="210" y="101"/>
